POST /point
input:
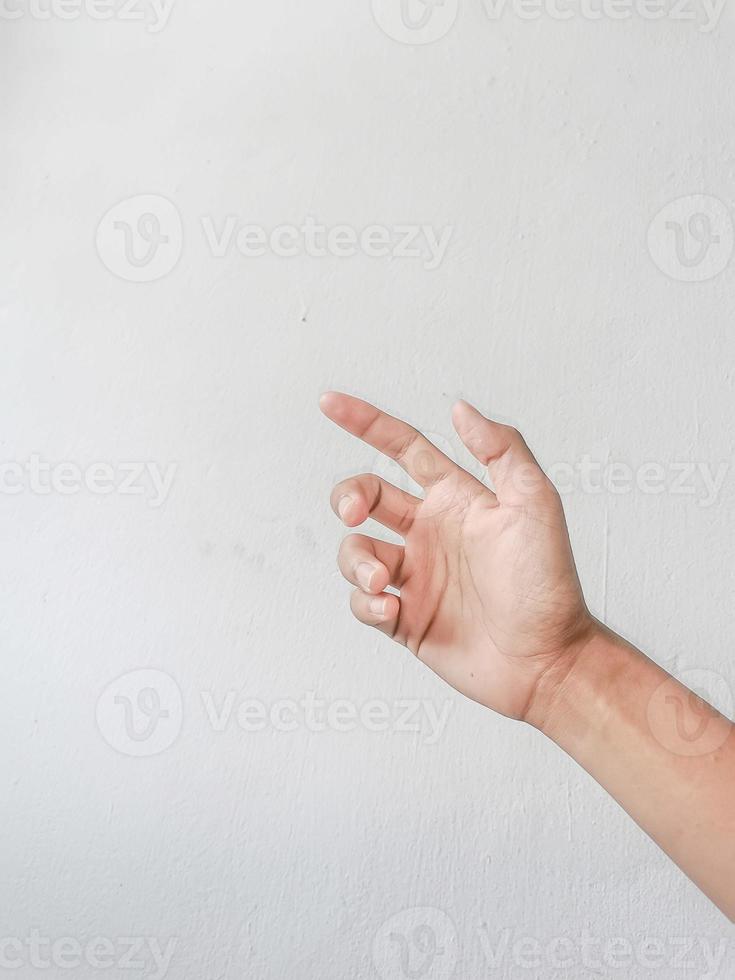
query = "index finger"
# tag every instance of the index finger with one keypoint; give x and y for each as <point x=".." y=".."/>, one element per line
<point x="420" y="458"/>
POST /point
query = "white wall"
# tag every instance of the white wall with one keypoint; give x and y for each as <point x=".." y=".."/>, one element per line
<point x="548" y="147"/>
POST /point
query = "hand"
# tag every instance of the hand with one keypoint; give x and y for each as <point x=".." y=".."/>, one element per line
<point x="489" y="594"/>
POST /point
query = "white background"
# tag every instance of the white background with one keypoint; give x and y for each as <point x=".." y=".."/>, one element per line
<point x="548" y="147"/>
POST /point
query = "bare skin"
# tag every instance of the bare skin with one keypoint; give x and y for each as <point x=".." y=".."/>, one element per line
<point x="490" y="600"/>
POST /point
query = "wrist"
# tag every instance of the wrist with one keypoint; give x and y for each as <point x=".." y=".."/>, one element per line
<point x="580" y="683"/>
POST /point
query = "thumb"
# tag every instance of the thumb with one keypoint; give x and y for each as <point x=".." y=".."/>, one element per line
<point x="511" y="465"/>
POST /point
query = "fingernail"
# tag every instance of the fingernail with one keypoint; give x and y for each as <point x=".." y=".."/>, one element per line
<point x="344" y="503"/>
<point x="364" y="573"/>
<point x="377" y="606"/>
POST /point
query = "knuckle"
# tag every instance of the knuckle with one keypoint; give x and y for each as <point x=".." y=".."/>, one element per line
<point x="550" y="495"/>
<point x="549" y="489"/>
<point x="402" y="445"/>
<point x="368" y="484"/>
<point x="476" y="430"/>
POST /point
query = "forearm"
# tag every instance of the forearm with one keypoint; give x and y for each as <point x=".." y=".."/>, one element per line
<point x="658" y="749"/>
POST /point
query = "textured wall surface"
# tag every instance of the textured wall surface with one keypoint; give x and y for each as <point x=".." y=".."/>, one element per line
<point x="204" y="757"/>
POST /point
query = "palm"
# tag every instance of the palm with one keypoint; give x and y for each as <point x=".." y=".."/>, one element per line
<point x="489" y="594"/>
